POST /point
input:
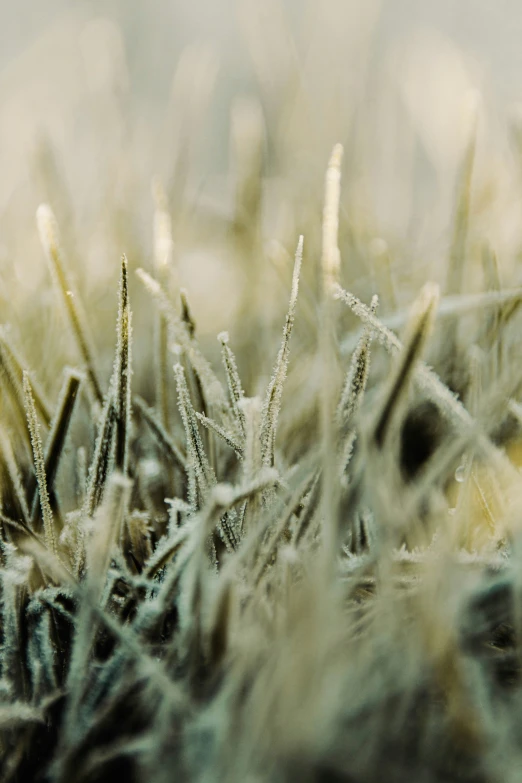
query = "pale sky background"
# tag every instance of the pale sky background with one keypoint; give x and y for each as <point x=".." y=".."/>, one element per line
<point x="100" y="96"/>
<point x="155" y="30"/>
<point x="435" y="50"/>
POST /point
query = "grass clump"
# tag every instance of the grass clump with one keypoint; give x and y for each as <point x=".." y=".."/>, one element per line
<point x="213" y="573"/>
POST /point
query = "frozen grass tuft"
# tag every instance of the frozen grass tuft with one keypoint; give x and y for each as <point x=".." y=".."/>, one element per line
<point x="220" y="569"/>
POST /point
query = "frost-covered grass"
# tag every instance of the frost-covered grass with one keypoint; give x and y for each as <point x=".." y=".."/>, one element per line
<point x="215" y="572"/>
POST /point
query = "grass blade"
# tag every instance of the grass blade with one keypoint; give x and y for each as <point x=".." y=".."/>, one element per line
<point x="12" y="365"/>
<point x="13" y="472"/>
<point x="39" y="465"/>
<point x="272" y="405"/>
<point x="48" y="230"/>
<point x="122" y="373"/>
<point x="423" y="316"/>
<point x="228" y="437"/>
<point x="235" y="389"/>
<point x="163" y="257"/>
<point x="101" y="461"/>
<point x="161" y="436"/>
<point x="58" y="433"/>
<point x="201" y="476"/>
<point x="214" y="392"/>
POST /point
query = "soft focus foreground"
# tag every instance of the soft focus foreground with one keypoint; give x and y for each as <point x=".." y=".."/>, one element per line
<point x="260" y="406"/>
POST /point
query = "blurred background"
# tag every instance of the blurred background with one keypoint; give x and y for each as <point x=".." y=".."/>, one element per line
<point x="231" y="107"/>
